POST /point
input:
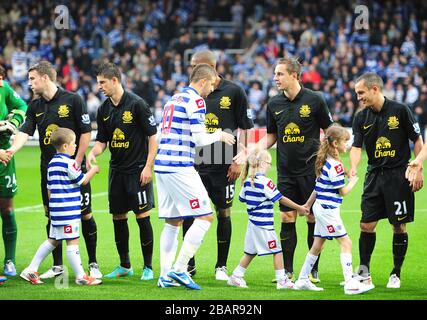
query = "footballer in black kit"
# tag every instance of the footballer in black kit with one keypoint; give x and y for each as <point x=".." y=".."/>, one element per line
<point x="127" y="127"/>
<point x="384" y="127"/>
<point x="226" y="109"/>
<point x="68" y="110"/>
<point x="295" y="124"/>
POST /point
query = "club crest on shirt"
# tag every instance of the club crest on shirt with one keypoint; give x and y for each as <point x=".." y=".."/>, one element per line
<point x="63" y="111"/>
<point x="127" y="117"/>
<point x="393" y="123"/>
<point x="225" y="102"/>
<point x="304" y="111"/>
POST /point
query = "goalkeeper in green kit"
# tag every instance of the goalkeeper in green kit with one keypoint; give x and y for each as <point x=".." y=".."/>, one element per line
<point x="12" y="115"/>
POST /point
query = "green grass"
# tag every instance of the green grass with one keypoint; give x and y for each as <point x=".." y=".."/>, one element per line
<point x="31" y="233"/>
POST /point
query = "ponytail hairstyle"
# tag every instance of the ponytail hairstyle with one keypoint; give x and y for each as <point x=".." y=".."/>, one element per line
<point x="253" y="163"/>
<point x="334" y="133"/>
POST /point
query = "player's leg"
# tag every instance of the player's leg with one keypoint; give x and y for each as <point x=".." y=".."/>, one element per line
<point x="237" y="278"/>
<point x="288" y="234"/>
<point x="346" y="257"/>
<point x="89" y="228"/>
<point x="400" y="206"/>
<point x="142" y="199"/>
<point x="8" y="189"/>
<point x="222" y="195"/>
<point x="303" y="282"/>
<point x="306" y="186"/>
<point x="118" y="206"/>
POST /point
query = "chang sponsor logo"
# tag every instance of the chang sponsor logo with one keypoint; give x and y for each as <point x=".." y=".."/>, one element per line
<point x="118" y="140"/>
<point x="383" y="148"/>
<point x="292" y="133"/>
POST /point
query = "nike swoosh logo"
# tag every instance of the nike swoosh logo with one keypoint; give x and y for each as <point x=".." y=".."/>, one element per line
<point x="401" y="218"/>
<point x="229" y="201"/>
<point x="143" y="207"/>
<point x="105" y="119"/>
<point x="13" y="190"/>
<point x="368" y="126"/>
<point x="278" y="112"/>
<point x="39" y="114"/>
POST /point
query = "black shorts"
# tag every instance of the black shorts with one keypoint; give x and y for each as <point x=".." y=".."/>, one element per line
<point x="220" y="190"/>
<point x="125" y="193"/>
<point x="85" y="193"/>
<point x="298" y="189"/>
<point x="387" y="194"/>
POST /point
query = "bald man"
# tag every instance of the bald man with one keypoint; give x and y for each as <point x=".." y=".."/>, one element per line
<point x="226" y="109"/>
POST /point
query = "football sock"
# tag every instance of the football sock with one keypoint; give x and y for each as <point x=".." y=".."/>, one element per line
<point x="366" y="247"/>
<point x="185" y="226"/>
<point x="400" y="245"/>
<point x="223" y="233"/>
<point x="280" y="274"/>
<point x="121" y="235"/>
<point x="310" y="240"/>
<point x="57" y="252"/>
<point x="41" y="254"/>
<point x="73" y="255"/>
<point x="239" y="271"/>
<point x="309" y="262"/>
<point x="89" y="231"/>
<point x="192" y="241"/>
<point x="288" y="240"/>
<point x="10" y="232"/>
<point x="168" y="247"/>
<point x="347" y="265"/>
<point x="146" y="240"/>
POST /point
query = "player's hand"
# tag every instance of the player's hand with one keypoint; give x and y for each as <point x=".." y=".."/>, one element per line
<point x="303" y="210"/>
<point x="234" y="171"/>
<point x="95" y="168"/>
<point x="415" y="176"/>
<point x="352" y="172"/>
<point x="242" y="155"/>
<point x="228" y="138"/>
<point x="8" y="127"/>
<point x="5" y="156"/>
<point x="90" y="158"/>
<point x="146" y="176"/>
<point x="79" y="161"/>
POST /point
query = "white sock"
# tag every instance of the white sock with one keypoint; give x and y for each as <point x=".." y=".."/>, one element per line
<point x="192" y="241"/>
<point x="168" y="247"/>
<point x="42" y="252"/>
<point x="280" y="274"/>
<point x="309" y="262"/>
<point x="73" y="255"/>
<point x="347" y="266"/>
<point x="239" y="271"/>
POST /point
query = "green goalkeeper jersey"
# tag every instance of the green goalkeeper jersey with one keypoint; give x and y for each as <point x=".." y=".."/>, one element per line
<point x="12" y="108"/>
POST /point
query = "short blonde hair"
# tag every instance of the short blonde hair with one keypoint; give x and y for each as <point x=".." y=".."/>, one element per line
<point x="202" y="71"/>
<point x="61" y="136"/>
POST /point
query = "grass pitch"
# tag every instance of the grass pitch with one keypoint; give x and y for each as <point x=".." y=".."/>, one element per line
<point x="31" y="233"/>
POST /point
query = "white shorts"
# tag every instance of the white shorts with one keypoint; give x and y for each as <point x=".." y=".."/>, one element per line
<point x="68" y="232"/>
<point x="259" y="241"/>
<point x="328" y="222"/>
<point x="182" y="195"/>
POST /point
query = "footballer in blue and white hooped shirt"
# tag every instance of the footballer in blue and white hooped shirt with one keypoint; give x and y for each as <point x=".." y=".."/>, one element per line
<point x="63" y="182"/>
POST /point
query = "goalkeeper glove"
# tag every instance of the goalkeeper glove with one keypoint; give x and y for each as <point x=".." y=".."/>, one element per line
<point x="7" y="127"/>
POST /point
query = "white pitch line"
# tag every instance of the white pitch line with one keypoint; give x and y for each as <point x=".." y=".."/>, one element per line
<point x="40" y="206"/>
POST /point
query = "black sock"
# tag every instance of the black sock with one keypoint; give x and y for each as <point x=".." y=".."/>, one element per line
<point x="400" y="245"/>
<point x="57" y="252"/>
<point x="89" y="231"/>
<point x="288" y="240"/>
<point x="310" y="240"/>
<point x="185" y="226"/>
<point x="366" y="247"/>
<point x="146" y="240"/>
<point x="121" y="235"/>
<point x="223" y="233"/>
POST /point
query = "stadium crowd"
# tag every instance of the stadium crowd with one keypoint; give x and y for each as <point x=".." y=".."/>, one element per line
<point x="148" y="39"/>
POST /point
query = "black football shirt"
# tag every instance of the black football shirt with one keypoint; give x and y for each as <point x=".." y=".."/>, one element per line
<point x="66" y="109"/>
<point x="297" y="125"/>
<point x="126" y="128"/>
<point x="386" y="134"/>
<point x="226" y="109"/>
